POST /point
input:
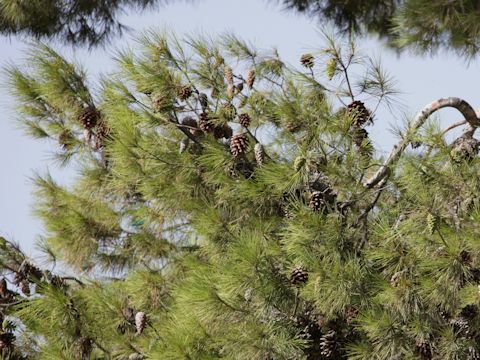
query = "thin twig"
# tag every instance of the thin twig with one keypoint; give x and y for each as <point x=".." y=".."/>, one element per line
<point x="347" y="79"/>
<point x="453" y="126"/>
<point x="372" y="204"/>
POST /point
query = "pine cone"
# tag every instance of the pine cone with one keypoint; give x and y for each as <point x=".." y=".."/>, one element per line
<point x="350" y="314"/>
<point x="473" y="353"/>
<point x="469" y="312"/>
<point x="328" y="344"/>
<point x="244" y="120"/>
<point x="102" y="133"/>
<point x="27" y="270"/>
<point x="160" y="102"/>
<point x="465" y="257"/>
<point x="140" y="322"/>
<point x="228" y="72"/>
<point x="292" y="126"/>
<point x="84" y="347"/>
<point x="205" y="123"/>
<point x="239" y="88"/>
<point x="129" y="314"/>
<point x="251" y="78"/>
<point x="359" y="113"/>
<point x="424" y="349"/>
<point x="25" y="287"/>
<point x="190" y="122"/>
<point x="259" y="152"/>
<point x="395" y="279"/>
<point x="191" y="125"/>
<point x="475" y="275"/>
<point x="184" y="92"/>
<point x="57" y="281"/>
<point x="6" y="340"/>
<point x="223" y="131"/>
<point x="203" y="100"/>
<point x="89" y="117"/>
<point x="238" y="144"/>
<point x="3" y="288"/>
<point x="307" y="60"/>
<point x="298" y="276"/>
<point x="319" y="199"/>
<point x="461" y="327"/>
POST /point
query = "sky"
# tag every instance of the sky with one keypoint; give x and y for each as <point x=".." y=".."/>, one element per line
<point x="420" y="79"/>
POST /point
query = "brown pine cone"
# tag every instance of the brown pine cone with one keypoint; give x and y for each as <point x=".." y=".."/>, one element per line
<point x="359" y="113"/>
<point x="223" y="131"/>
<point x="239" y="88"/>
<point x="259" y="152"/>
<point x="191" y="125"/>
<point x="129" y="314"/>
<point x="298" y="276"/>
<point x="251" y="78"/>
<point x="89" y="117"/>
<point x="244" y="120"/>
<point x="228" y="72"/>
<point x="317" y="200"/>
<point x="205" y="123"/>
<point x="203" y="100"/>
<point x="184" y="92"/>
<point x="3" y="288"/>
<point x="102" y="133"/>
<point x="238" y="144"/>
<point x="140" y="322"/>
<point x="351" y="313"/>
<point x="328" y="344"/>
<point x="25" y="287"/>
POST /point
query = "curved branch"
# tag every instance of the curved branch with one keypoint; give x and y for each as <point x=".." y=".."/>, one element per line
<point x="461" y="105"/>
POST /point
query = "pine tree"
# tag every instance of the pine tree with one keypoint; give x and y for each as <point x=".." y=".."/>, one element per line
<point x="280" y="240"/>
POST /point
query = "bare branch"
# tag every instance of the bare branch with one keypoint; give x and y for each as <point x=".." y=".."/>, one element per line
<point x="454" y="126"/>
<point x="461" y="105"/>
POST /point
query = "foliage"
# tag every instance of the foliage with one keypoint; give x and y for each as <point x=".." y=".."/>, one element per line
<point x="422" y="25"/>
<point x="74" y="21"/>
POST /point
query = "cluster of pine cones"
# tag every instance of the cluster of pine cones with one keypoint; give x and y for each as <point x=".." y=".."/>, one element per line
<point x="91" y="119"/>
<point x="361" y="117"/>
<point x="132" y="319"/>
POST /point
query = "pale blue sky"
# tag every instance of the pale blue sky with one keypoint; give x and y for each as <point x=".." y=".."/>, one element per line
<point x="420" y="79"/>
